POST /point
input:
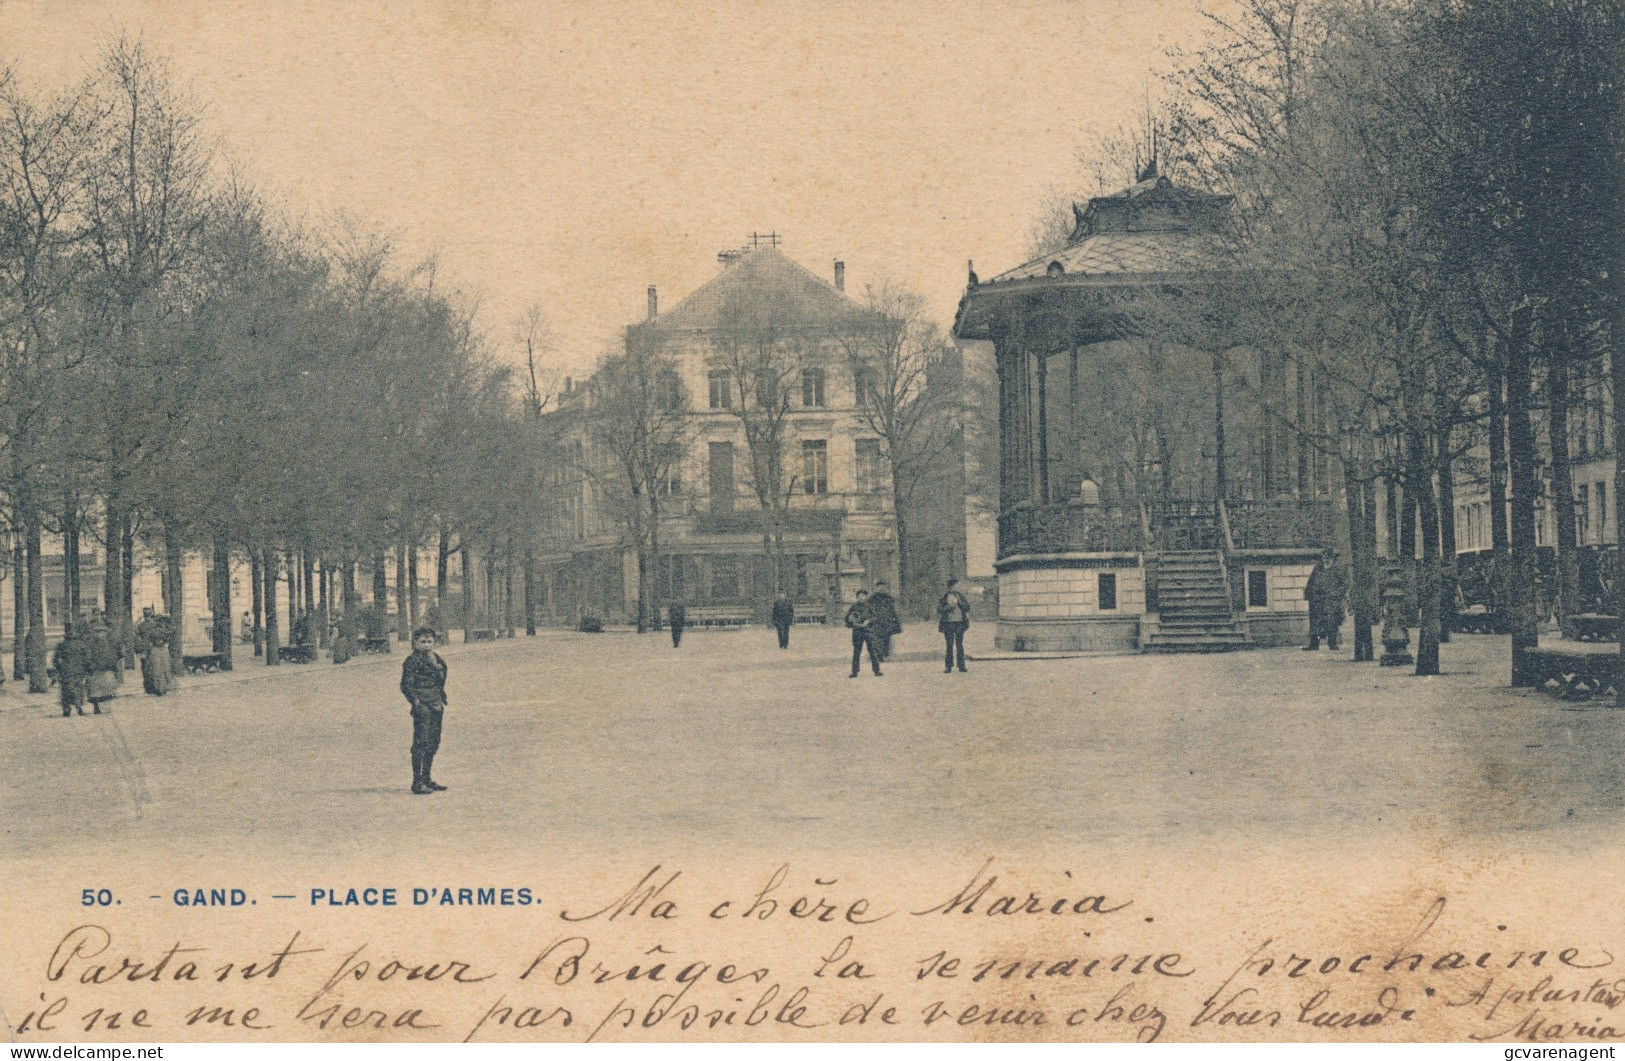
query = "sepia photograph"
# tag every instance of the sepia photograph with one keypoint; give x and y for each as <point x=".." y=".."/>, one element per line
<point x="1013" y="521"/>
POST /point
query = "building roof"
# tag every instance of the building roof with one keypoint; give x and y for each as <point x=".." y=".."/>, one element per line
<point x="1145" y="234"/>
<point x="1149" y="227"/>
<point x="756" y="273"/>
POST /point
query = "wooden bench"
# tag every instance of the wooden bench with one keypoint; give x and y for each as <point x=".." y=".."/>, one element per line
<point x="206" y="663"/>
<point x="1478" y="620"/>
<point x="373" y="645"/>
<point x="1574" y="673"/>
<point x="296" y="653"/>
<point x="1590" y="626"/>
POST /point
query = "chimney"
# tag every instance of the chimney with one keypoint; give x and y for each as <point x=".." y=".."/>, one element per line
<point x="654" y="303"/>
<point x="840" y="276"/>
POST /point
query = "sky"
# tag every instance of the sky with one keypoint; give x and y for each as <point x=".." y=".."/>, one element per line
<point x="572" y="154"/>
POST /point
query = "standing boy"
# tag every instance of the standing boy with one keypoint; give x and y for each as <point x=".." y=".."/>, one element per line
<point x="953" y="617"/>
<point x="423" y="681"/>
<point x="860" y="619"/>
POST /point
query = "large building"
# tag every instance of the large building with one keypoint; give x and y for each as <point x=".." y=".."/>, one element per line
<point x="773" y="437"/>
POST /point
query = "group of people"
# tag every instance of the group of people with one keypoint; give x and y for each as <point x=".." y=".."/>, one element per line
<point x="873" y="621"/>
<point x="88" y="667"/>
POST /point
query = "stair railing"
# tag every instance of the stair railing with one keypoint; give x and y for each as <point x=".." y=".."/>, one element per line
<point x="1224" y="527"/>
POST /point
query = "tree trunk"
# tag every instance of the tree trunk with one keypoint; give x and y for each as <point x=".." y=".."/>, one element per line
<point x="1521" y="445"/>
<point x="113" y="567"/>
<point x="403" y="631"/>
<point x="441" y="566"/>
<point x="34" y="643"/>
<point x="174" y="597"/>
<point x="414" y="613"/>
<point x="290" y="560"/>
<point x="468" y="588"/>
<point x="268" y="568"/>
<point x="1499" y="541"/>
<point x="1564" y="534"/>
<point x="307" y="559"/>
<point x="70" y="558"/>
<point x="530" y="587"/>
<point x="126" y="617"/>
<point x="256" y="578"/>
<point x="19" y="607"/>
<point x="1447" y="535"/>
<point x="324" y="607"/>
<point x="380" y="587"/>
<point x="1358" y="496"/>
<point x="222" y="600"/>
<point x="507" y="590"/>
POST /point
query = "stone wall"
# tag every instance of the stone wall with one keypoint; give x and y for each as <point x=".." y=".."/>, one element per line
<point x="1066" y="592"/>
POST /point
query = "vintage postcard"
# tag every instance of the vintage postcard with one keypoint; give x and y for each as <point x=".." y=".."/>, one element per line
<point x="644" y="522"/>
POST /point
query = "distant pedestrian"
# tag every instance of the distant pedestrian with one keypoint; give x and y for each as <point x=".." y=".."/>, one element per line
<point x="102" y="661"/>
<point x="1325" y="590"/>
<point x="784" y="617"/>
<point x="72" y="669"/>
<point x="860" y="619"/>
<point x="887" y="623"/>
<point x="246" y="629"/>
<point x="423" y="682"/>
<point x="676" y="618"/>
<point x="152" y="637"/>
<point x="953" y="618"/>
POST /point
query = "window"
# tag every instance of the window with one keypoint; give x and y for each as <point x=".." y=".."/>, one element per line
<point x="671" y="391"/>
<point x="724" y="578"/>
<point x="1601" y="494"/>
<point x="870" y="471"/>
<point x="815" y="466"/>
<point x="722" y="396"/>
<point x="1258" y="588"/>
<point x="1582" y="512"/>
<point x="669" y="470"/>
<point x="722" y="476"/>
<point x="1107" y="586"/>
<point x="863" y="386"/>
<point x="812" y="388"/>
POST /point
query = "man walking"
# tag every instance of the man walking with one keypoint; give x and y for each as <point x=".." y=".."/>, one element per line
<point x="860" y="619"/>
<point x="784" y="616"/>
<point x="676" y="618"/>
<point x="953" y="618"/>
<point x="423" y="682"/>
<point x="1325" y="591"/>
<point x="887" y="624"/>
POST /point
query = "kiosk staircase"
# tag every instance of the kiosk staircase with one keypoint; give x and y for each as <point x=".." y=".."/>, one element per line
<point x="1195" y="614"/>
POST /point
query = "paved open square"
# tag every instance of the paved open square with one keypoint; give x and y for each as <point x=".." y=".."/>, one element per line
<point x="579" y="741"/>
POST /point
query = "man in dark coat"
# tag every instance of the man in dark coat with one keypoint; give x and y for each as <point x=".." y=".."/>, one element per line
<point x="423" y="682"/>
<point x="72" y="670"/>
<point x="1325" y="590"/>
<point x="887" y="623"/>
<point x="860" y="619"/>
<point x="676" y="618"/>
<point x="953" y="619"/>
<point x="784" y="616"/>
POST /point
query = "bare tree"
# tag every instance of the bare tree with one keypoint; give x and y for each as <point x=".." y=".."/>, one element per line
<point x="909" y="382"/>
<point x="638" y="416"/>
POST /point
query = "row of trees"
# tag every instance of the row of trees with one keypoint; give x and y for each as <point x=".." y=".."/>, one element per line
<point x="181" y="367"/>
<point x="1428" y="226"/>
